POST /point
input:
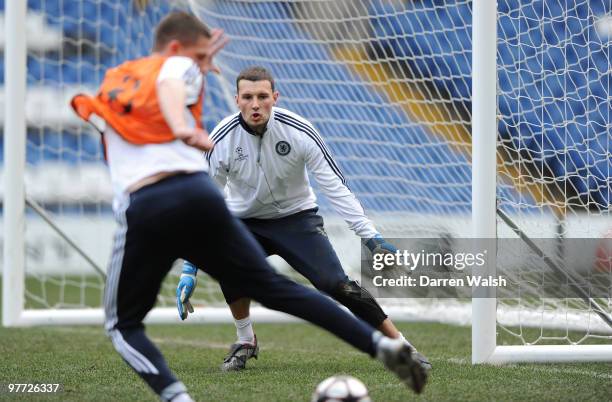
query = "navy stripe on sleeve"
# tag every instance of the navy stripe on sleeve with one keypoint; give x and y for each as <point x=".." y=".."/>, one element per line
<point x="222" y="133"/>
<point x="218" y="131"/>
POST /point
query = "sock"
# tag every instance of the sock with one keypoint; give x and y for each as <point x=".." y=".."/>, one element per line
<point x="386" y="343"/>
<point x="406" y="341"/>
<point x="244" y="330"/>
<point x="182" y="397"/>
<point x="377" y="336"/>
<point x="175" y="392"/>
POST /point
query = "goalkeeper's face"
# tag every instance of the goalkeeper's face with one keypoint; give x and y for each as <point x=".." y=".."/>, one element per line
<point x="255" y="100"/>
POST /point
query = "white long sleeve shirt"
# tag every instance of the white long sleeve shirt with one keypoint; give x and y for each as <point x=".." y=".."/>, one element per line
<point x="130" y="163"/>
<point x="265" y="176"/>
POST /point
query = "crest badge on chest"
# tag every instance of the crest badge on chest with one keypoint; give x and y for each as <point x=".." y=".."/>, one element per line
<point x="283" y="148"/>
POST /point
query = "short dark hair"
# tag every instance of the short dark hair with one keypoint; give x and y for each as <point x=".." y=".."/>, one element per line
<point x="181" y="26"/>
<point x="255" y="73"/>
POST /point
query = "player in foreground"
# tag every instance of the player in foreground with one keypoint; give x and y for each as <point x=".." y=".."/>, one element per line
<point x="167" y="207"/>
<point x="262" y="156"/>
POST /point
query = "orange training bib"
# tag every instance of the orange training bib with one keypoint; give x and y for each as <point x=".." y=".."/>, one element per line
<point x="127" y="101"/>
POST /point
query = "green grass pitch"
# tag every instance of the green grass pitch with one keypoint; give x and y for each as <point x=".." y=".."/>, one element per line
<point x="293" y="359"/>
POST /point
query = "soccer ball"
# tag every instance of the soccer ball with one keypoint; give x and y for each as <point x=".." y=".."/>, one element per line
<point x="341" y="388"/>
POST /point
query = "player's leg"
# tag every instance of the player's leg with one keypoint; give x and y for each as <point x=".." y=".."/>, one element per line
<point x="246" y="346"/>
<point x="138" y="266"/>
<point x="228" y="252"/>
<point x="363" y="304"/>
<point x="302" y="241"/>
<point x="241" y="310"/>
<point x="240" y="306"/>
<point x="221" y="244"/>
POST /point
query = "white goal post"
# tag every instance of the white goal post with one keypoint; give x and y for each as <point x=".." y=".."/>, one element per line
<point x="484" y="204"/>
<point x="13" y="279"/>
<point x="439" y="113"/>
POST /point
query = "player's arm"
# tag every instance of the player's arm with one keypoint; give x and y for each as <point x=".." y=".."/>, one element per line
<point x="322" y="165"/>
<point x="172" y="90"/>
<point x="171" y="93"/>
<point x="218" y="163"/>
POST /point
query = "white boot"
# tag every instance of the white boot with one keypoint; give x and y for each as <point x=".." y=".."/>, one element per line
<point x="396" y="355"/>
<point x="415" y="354"/>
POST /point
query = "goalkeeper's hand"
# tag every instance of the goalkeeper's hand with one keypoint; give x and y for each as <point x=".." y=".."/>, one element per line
<point x="185" y="288"/>
<point x="378" y="244"/>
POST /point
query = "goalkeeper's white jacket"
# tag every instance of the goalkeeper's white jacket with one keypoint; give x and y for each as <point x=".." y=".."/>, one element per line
<point x="266" y="176"/>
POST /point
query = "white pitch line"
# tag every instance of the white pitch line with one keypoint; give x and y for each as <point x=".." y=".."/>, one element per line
<point x="274" y="346"/>
<point x="456" y="360"/>
<point x="537" y="367"/>
<point x="190" y="342"/>
<point x="588" y="373"/>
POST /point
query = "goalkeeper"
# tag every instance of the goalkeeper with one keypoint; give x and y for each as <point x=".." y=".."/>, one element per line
<point x="261" y="156"/>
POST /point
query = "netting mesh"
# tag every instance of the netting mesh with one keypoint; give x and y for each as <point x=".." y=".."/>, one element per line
<point x="388" y="85"/>
<point x="553" y="100"/>
<point x="70" y="46"/>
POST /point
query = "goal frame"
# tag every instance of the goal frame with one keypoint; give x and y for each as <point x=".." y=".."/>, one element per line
<point x="484" y="204"/>
<point x="13" y="276"/>
<point x="484" y="129"/>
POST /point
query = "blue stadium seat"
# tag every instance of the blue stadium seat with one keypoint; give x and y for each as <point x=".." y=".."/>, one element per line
<point x="437" y="48"/>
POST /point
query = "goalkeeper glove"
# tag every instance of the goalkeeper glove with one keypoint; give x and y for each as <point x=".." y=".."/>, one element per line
<point x="185" y="289"/>
<point x="378" y="244"/>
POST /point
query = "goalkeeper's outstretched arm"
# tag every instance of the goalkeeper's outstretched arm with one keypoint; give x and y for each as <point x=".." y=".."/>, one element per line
<point x="328" y="175"/>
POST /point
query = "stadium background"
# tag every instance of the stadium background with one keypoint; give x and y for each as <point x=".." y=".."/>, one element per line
<point x="394" y="109"/>
<point x="395" y="112"/>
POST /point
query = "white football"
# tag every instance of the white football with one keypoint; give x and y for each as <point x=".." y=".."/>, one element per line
<point x="341" y="388"/>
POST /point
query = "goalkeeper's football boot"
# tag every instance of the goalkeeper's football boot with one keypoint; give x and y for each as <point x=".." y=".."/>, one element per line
<point x="238" y="355"/>
<point x="400" y="358"/>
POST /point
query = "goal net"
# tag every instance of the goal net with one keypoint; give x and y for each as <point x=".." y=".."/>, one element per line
<point x="388" y="85"/>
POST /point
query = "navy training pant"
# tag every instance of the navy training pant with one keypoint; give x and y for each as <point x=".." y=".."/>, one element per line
<point x="185" y="216"/>
<point x="300" y="239"/>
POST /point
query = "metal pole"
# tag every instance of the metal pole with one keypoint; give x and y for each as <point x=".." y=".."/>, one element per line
<point x="573" y="283"/>
<point x="484" y="167"/>
<point x="43" y="214"/>
<point x="13" y="278"/>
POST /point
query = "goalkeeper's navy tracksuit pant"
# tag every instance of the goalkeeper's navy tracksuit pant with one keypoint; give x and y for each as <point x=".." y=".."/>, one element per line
<point x="185" y="216"/>
<point x="300" y="239"/>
